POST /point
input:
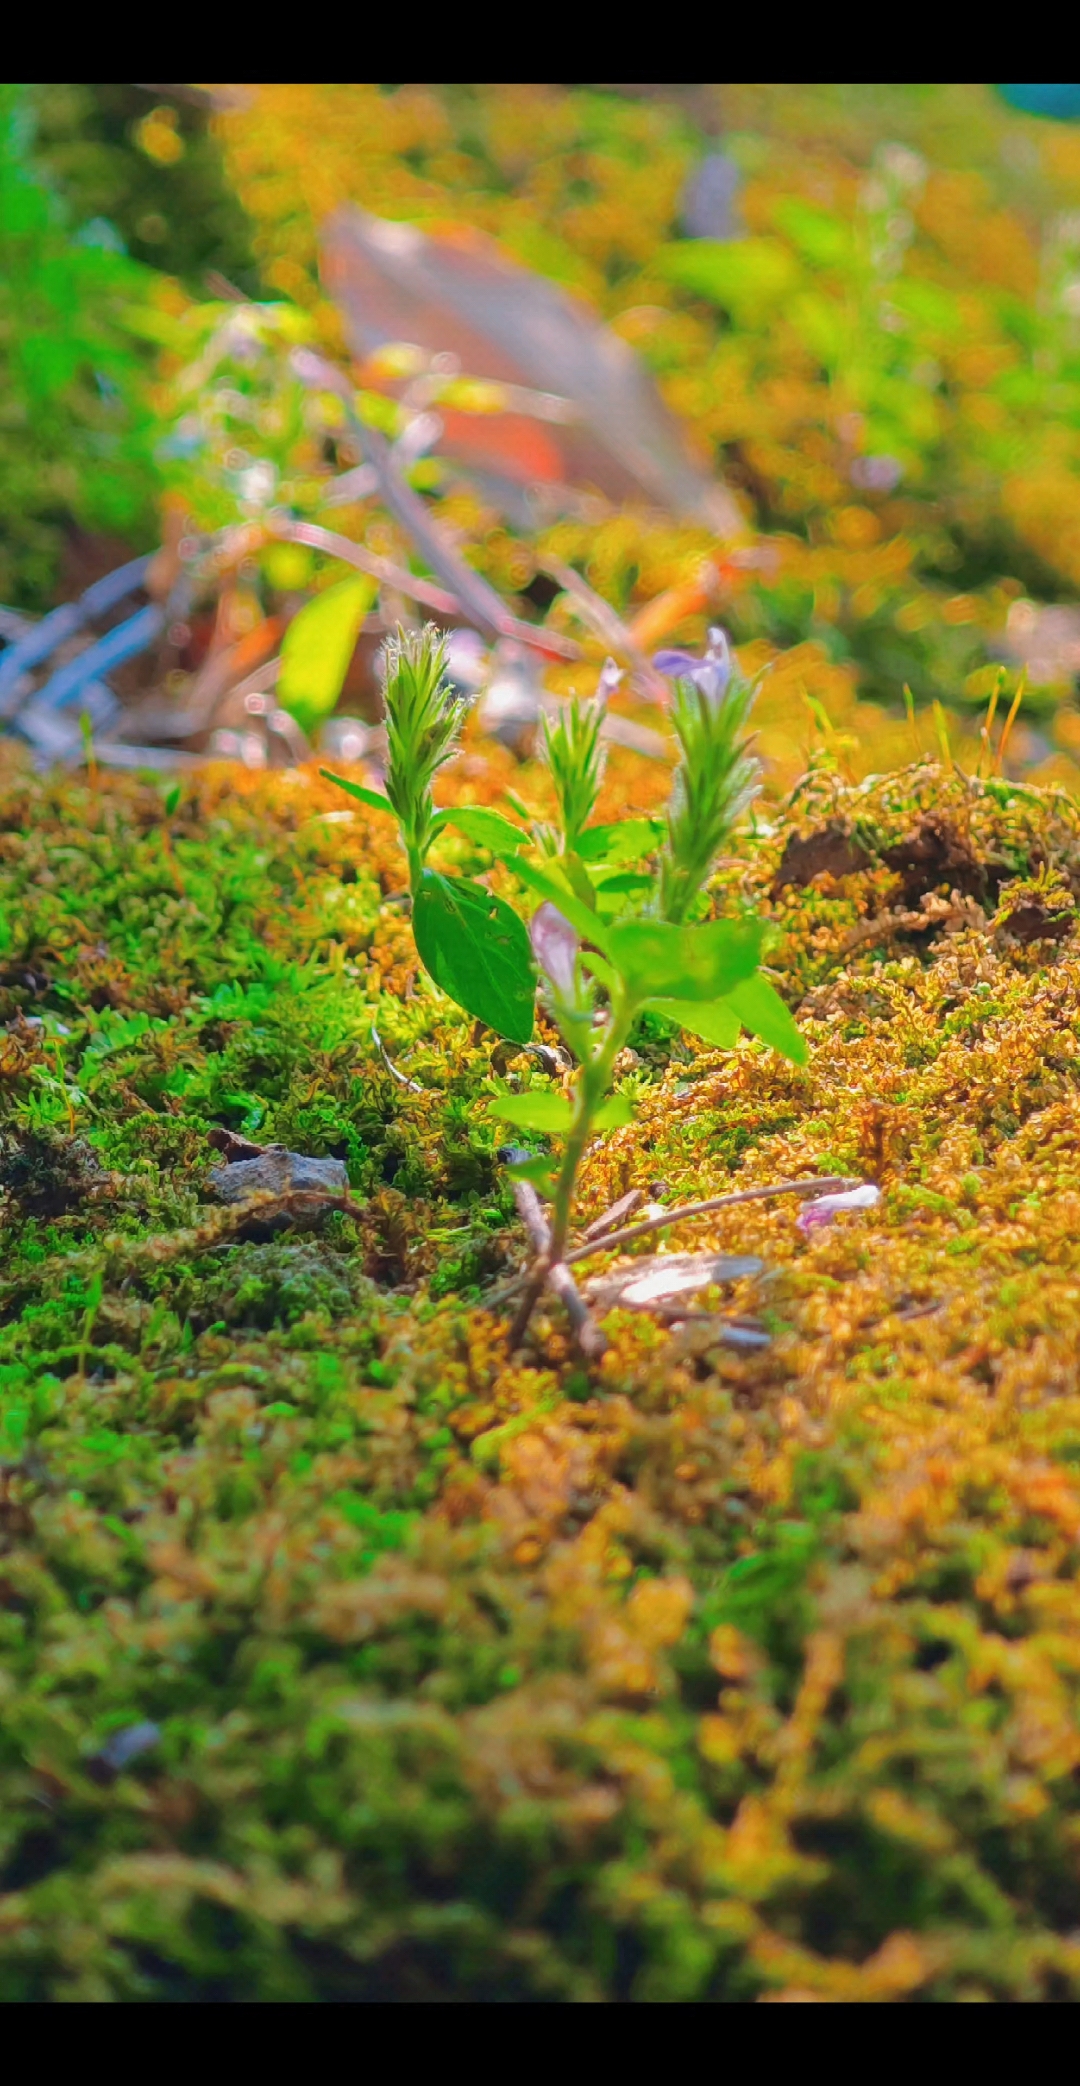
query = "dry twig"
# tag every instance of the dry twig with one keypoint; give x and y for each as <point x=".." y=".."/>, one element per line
<point x="827" y="1184"/>
<point x="553" y="1275"/>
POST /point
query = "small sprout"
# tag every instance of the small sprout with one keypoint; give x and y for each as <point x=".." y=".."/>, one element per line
<point x="470" y="942"/>
<point x="424" y="715"/>
<point x="717" y="777"/>
<point x="605" y="928"/>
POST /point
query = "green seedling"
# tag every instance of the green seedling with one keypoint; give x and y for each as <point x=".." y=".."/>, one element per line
<point x="614" y="933"/>
<point x="471" y="943"/>
<point x="611" y="943"/>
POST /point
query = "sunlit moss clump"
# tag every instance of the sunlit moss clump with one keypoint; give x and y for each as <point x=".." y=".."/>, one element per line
<point x="341" y="1659"/>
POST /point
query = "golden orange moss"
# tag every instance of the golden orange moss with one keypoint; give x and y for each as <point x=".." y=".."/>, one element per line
<point x="709" y="1675"/>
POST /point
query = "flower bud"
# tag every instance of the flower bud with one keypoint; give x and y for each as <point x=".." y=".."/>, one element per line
<point x="555" y="947"/>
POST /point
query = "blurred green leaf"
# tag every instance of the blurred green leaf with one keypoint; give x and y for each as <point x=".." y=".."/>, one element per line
<point x="716" y="1023"/>
<point x="549" y="1113"/>
<point x="615" y="1113"/>
<point x="317" y="648"/>
<point x="748" y="277"/>
<point x="538" y="1172"/>
<point x="489" y="828"/>
<point x="627" y="841"/>
<point x="692" y="963"/>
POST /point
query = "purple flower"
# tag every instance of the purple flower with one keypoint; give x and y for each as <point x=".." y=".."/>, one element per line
<point x="710" y="674"/>
<point x="821" y="1212"/>
<point x="555" y="947"/>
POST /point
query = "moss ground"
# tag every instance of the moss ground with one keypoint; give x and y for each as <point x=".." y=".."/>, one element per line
<point x="706" y="1675"/>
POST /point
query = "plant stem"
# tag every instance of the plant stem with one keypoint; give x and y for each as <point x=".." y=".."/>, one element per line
<point x="596" y="1073"/>
<point x="416" y="866"/>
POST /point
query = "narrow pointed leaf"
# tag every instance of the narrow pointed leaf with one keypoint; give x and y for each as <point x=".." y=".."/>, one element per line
<point x="550" y="885"/>
<point x="762" y="1011"/>
<point x="488" y="828"/>
<point x="579" y="880"/>
<point x="373" y="798"/>
<point x="598" y="967"/>
<point x="476" y="948"/>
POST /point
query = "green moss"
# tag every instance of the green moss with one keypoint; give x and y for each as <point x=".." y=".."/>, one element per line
<point x="704" y="1676"/>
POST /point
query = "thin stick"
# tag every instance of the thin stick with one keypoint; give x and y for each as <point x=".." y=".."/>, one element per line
<point x="413" y="1085"/>
<point x="1010" y="721"/>
<point x="593" y="609"/>
<point x="383" y="569"/>
<point x="823" y="1184"/>
<point x="553" y="1275"/>
<point x="988" y="722"/>
<point x="834" y="1184"/>
<point x="471" y="592"/>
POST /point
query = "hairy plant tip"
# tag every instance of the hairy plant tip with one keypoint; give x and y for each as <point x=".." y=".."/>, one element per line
<point x="717" y="777"/>
<point x="575" y="756"/>
<point x="424" y="716"/>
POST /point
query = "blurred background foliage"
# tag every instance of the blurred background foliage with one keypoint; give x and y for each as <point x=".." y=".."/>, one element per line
<point x="862" y="302"/>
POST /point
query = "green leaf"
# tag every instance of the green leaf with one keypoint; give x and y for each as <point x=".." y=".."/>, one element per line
<point x="317" y="648"/>
<point x="578" y="878"/>
<point x="477" y="950"/>
<point x="748" y="277"/>
<point x="615" y="1113"/>
<point x="172" y="800"/>
<point x="819" y="237"/>
<point x="372" y="797"/>
<point x="489" y="828"/>
<point x="762" y="1011"/>
<point x="690" y="963"/>
<point x="598" y="967"/>
<point x="625" y="842"/>
<point x="538" y="1171"/>
<point x="618" y="885"/>
<point x="715" y="1022"/>
<point x="549" y="1113"/>
<point x="550" y="885"/>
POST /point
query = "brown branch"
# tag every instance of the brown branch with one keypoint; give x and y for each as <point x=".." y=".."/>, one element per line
<point x="829" y="1184"/>
<point x="553" y="1275"/>
<point x="382" y="569"/>
<point x="607" y="623"/>
<point x="822" y="1184"/>
<point x="471" y="593"/>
